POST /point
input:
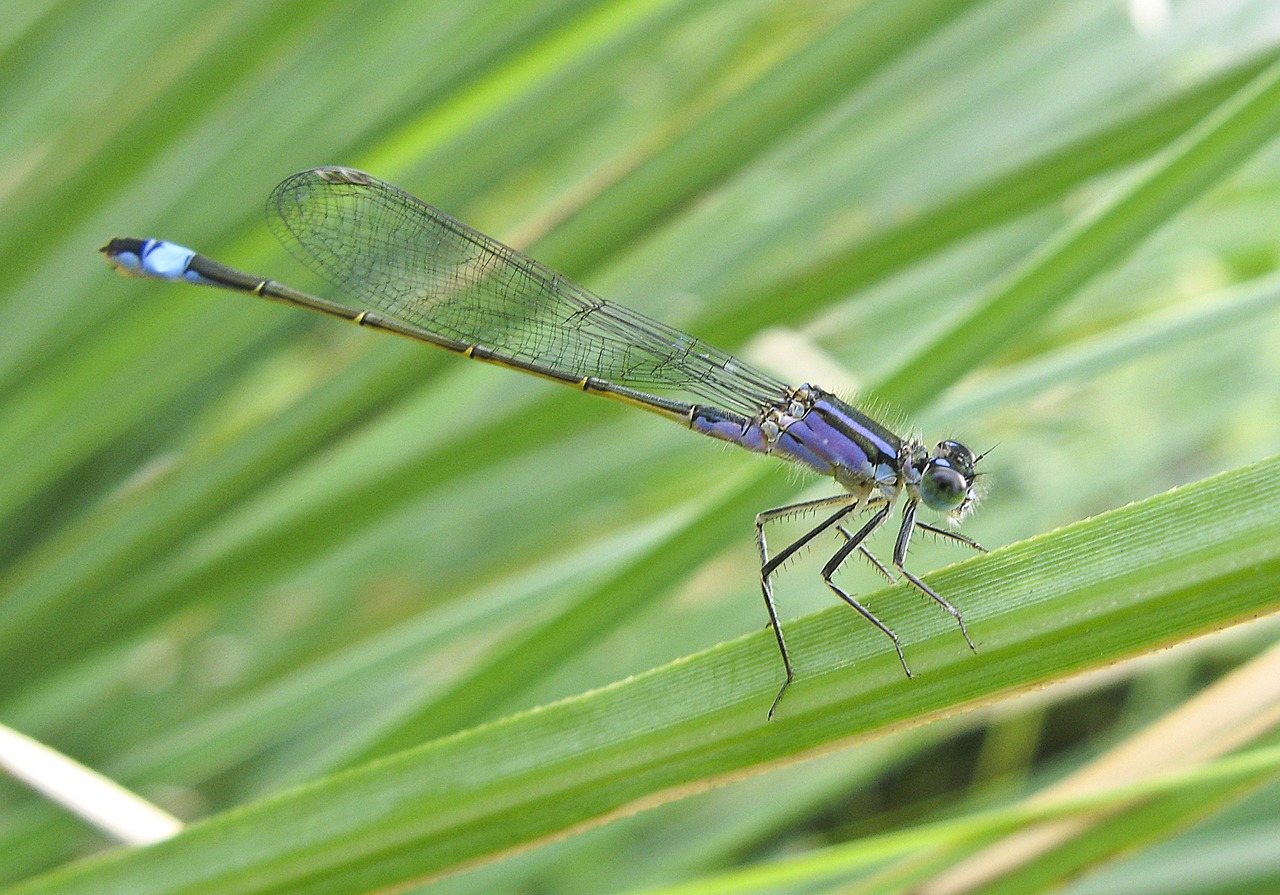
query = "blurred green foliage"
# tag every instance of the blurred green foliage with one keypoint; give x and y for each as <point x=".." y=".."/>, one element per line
<point x="242" y="548"/>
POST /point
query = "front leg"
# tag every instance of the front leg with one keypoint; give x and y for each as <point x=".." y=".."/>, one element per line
<point x="951" y="535"/>
<point x="900" y="557"/>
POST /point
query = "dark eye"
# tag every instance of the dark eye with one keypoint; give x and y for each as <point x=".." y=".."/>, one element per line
<point x="942" y="488"/>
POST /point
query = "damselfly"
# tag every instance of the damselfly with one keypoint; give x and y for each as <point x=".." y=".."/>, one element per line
<point x="415" y="271"/>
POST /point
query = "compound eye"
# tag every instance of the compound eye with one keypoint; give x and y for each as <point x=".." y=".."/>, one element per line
<point x="942" y="488"/>
<point x="957" y="453"/>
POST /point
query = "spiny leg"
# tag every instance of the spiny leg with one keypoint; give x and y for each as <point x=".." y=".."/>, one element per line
<point x="869" y="557"/>
<point x="951" y="535"/>
<point x="833" y="564"/>
<point x="900" y="557"/>
<point x="848" y="503"/>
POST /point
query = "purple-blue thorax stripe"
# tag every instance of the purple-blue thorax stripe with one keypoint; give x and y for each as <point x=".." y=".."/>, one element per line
<point x="881" y="445"/>
<point x="831" y="438"/>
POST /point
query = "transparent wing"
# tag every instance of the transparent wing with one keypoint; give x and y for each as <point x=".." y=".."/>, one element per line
<point x="394" y="253"/>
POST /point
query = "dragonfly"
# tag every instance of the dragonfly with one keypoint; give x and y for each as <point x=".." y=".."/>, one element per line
<point x="414" y="271"/>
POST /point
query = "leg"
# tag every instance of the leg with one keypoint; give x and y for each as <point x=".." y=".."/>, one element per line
<point x="951" y="535"/>
<point x="900" y="557"/>
<point x="869" y="556"/>
<point x="848" y="503"/>
<point x="855" y="543"/>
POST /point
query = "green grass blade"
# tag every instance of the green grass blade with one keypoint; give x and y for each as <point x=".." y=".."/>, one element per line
<point x="838" y="862"/>
<point x="747" y="126"/>
<point x="1135" y="579"/>
<point x="1223" y="141"/>
<point x="1017" y="192"/>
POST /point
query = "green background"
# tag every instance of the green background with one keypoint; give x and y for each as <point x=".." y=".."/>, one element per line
<point x="244" y="548"/>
